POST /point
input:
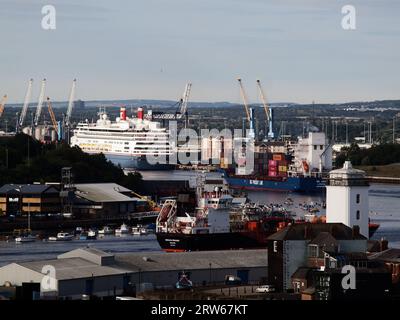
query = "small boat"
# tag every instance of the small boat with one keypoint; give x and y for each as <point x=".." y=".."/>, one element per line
<point x="62" y="236"/>
<point x="106" y="230"/>
<point x="139" y="230"/>
<point x="83" y="235"/>
<point x="91" y="235"/>
<point x="124" y="229"/>
<point x="25" y="238"/>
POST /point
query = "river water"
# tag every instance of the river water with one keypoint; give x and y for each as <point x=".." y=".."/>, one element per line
<point x="384" y="209"/>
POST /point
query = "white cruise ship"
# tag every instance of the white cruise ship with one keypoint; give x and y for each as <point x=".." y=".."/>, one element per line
<point x="132" y="143"/>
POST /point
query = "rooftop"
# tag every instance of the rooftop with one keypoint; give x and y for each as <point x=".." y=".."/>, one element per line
<point x="347" y="172"/>
<point x="389" y="255"/>
<point x="73" y="268"/>
<point x="161" y="261"/>
<point x="104" y="192"/>
<point x="310" y="231"/>
<point x="28" y="188"/>
<point x="86" y="262"/>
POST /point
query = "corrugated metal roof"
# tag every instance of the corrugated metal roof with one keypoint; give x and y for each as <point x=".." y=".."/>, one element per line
<point x="103" y="192"/>
<point x="73" y="268"/>
<point x="156" y="261"/>
<point x="77" y="267"/>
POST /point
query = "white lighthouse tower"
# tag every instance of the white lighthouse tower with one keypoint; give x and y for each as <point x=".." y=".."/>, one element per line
<point x="347" y="198"/>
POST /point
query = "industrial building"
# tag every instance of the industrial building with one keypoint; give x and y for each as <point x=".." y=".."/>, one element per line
<point x="88" y="271"/>
<point x="29" y="198"/>
<point x="104" y="199"/>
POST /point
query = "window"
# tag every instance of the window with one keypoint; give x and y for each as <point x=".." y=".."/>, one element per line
<point x="358" y="215"/>
<point x="321" y="147"/>
<point x="358" y="198"/>
<point x="313" y="251"/>
<point x="315" y="147"/>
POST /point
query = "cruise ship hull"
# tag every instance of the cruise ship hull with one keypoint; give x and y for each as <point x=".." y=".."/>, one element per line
<point x="179" y="242"/>
<point x="137" y="163"/>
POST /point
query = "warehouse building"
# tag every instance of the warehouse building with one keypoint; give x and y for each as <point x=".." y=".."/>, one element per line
<point x="29" y="198"/>
<point x="104" y="199"/>
<point x="92" y="272"/>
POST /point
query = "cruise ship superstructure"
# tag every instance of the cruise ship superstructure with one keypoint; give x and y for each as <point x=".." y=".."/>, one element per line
<point x="133" y="143"/>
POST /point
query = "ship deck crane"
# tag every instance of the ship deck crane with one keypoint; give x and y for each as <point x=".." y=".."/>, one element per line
<point x="26" y="104"/>
<point x="52" y="116"/>
<point x="2" y="104"/>
<point x="40" y="103"/>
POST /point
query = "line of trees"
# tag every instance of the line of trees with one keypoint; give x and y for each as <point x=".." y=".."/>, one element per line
<point x="382" y="154"/>
<point x="25" y="160"/>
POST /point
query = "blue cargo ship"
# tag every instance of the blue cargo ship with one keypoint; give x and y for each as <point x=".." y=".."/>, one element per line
<point x="285" y="184"/>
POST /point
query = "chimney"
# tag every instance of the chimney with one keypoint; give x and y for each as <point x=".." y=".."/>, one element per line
<point x="122" y="113"/>
<point x="384" y="244"/>
<point x="306" y="231"/>
<point x="356" y="231"/>
<point x="140" y="113"/>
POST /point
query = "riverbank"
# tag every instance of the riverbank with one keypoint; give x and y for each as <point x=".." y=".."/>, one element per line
<point x="383" y="174"/>
<point x="391" y="171"/>
<point x="7" y="228"/>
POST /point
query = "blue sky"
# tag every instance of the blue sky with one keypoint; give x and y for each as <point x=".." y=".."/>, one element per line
<point x="151" y="48"/>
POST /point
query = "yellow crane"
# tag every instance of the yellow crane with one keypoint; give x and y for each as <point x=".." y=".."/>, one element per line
<point x="152" y="204"/>
<point x="52" y="116"/>
<point x="244" y="97"/>
<point x="2" y="104"/>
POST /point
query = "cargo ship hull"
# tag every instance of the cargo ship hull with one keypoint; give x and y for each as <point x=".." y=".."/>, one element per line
<point x="289" y="184"/>
<point x="177" y="242"/>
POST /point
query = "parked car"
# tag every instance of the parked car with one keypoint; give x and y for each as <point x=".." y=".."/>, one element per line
<point x="265" y="288"/>
<point x="232" y="280"/>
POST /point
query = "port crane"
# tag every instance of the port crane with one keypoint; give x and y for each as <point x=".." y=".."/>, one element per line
<point x="249" y="111"/>
<point x="244" y="97"/>
<point x="182" y="105"/>
<point x="2" y="104"/>
<point x="40" y="103"/>
<point x="267" y="110"/>
<point x="52" y="116"/>
<point x="70" y="104"/>
<point x="26" y="104"/>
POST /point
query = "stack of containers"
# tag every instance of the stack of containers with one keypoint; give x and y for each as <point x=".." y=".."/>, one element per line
<point x="261" y="163"/>
<point x="282" y="168"/>
<point x="272" y="168"/>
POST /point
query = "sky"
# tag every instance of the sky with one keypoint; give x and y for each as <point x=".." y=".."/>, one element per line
<point x="150" y="49"/>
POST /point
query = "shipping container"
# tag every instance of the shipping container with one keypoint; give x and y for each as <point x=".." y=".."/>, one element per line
<point x="277" y="157"/>
<point x="272" y="173"/>
<point x="272" y="162"/>
<point x="282" y="168"/>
